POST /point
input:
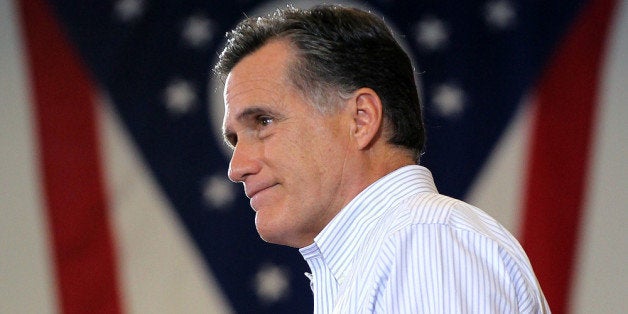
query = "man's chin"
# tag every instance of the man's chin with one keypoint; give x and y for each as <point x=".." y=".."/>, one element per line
<point x="271" y="234"/>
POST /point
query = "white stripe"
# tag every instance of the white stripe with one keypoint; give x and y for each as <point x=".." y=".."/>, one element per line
<point x="498" y="189"/>
<point x="602" y="283"/>
<point x="161" y="270"/>
<point x="26" y="274"/>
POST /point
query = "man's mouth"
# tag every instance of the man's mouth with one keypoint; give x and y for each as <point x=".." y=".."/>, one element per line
<point x="255" y="189"/>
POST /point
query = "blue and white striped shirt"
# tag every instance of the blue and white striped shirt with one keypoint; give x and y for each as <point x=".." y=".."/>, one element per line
<point x="400" y="247"/>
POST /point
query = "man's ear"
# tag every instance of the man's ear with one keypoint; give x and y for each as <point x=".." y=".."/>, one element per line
<point x="367" y="116"/>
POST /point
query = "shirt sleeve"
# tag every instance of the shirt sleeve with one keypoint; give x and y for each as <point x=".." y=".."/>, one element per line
<point x="435" y="268"/>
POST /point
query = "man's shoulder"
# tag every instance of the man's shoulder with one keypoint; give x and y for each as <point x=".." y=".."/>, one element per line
<point x="440" y="212"/>
<point x="423" y="209"/>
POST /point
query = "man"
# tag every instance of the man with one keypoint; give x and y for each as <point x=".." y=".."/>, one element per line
<point x="324" y="117"/>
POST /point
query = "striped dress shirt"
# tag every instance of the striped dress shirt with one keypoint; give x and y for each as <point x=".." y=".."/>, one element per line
<point x="400" y="247"/>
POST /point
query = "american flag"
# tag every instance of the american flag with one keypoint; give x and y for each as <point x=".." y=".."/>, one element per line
<point x="113" y="191"/>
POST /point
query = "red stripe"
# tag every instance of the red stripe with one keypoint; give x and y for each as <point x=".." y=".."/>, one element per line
<point x="72" y="178"/>
<point x="560" y="153"/>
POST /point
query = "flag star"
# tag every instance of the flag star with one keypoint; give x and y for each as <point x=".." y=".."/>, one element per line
<point x="198" y="30"/>
<point x="128" y="10"/>
<point x="271" y="283"/>
<point x="180" y="96"/>
<point x="431" y="33"/>
<point x="449" y="100"/>
<point x="218" y="191"/>
<point x="500" y="14"/>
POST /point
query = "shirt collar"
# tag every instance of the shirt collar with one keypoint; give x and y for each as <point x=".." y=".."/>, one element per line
<point x="338" y="242"/>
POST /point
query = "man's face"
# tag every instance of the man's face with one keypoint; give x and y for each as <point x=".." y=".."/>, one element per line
<point x="289" y="156"/>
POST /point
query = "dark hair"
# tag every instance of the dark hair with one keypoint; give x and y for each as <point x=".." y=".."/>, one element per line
<point x="339" y="50"/>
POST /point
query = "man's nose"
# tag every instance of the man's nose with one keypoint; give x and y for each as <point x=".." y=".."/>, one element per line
<point x="244" y="162"/>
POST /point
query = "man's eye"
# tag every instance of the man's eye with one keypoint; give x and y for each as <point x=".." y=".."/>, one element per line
<point x="264" y="120"/>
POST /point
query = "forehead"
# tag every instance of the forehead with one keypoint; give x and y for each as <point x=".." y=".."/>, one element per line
<point x="258" y="79"/>
<point x="267" y="65"/>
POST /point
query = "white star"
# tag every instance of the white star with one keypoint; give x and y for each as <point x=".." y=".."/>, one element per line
<point x="198" y="30"/>
<point x="271" y="283"/>
<point x="218" y="191"/>
<point x="127" y="10"/>
<point x="431" y="33"/>
<point x="449" y="100"/>
<point x="500" y="14"/>
<point x="180" y="96"/>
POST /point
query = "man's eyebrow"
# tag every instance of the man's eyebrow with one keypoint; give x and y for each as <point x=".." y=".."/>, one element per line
<point x="254" y="111"/>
